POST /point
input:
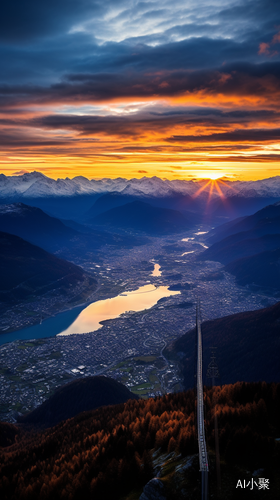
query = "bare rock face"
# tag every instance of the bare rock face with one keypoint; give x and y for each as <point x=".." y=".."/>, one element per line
<point x="154" y="490"/>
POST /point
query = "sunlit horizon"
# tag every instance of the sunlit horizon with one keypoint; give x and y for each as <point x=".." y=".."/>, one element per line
<point x="125" y="173"/>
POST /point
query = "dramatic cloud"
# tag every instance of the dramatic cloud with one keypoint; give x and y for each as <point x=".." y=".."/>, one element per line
<point x="145" y="83"/>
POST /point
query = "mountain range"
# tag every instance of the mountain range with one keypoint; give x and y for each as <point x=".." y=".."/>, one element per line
<point x="249" y="247"/>
<point x="39" y="228"/>
<point x="264" y="221"/>
<point x="27" y="270"/>
<point x="181" y="202"/>
<point x="241" y="245"/>
<point x="262" y="269"/>
<point x="36" y="184"/>
<point x="141" y="216"/>
<point x="238" y="197"/>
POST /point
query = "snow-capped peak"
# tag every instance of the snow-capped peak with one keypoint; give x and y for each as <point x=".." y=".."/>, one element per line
<point x="36" y="184"/>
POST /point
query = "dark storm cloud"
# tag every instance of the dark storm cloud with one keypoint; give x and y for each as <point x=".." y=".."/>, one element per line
<point x="137" y="123"/>
<point x="262" y="80"/>
<point x="17" y="138"/>
<point x="147" y="119"/>
<point x="71" y="63"/>
<point x="68" y="53"/>
<point x="264" y="12"/>
<point x="68" y="129"/>
<point x="192" y="53"/>
<point x="79" y="54"/>
<point x="24" y="20"/>
<point x="215" y="114"/>
<point x="46" y="62"/>
<point x="202" y="41"/>
<point x="252" y="135"/>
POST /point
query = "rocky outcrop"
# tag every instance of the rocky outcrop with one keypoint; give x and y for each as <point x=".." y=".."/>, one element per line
<point x="154" y="490"/>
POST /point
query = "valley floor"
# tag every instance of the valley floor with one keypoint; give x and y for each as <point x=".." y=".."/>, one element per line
<point x="128" y="348"/>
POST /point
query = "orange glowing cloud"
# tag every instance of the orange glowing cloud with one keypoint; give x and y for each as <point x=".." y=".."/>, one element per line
<point x="232" y="119"/>
<point x="264" y="48"/>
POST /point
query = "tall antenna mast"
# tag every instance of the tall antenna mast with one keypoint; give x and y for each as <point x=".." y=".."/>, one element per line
<point x="213" y="372"/>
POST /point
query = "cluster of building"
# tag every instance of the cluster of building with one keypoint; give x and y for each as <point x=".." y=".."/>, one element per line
<point x="31" y="370"/>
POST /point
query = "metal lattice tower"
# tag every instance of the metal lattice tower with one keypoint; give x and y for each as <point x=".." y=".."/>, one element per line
<point x="213" y="372"/>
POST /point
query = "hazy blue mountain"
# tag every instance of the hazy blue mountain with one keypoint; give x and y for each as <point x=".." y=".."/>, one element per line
<point x="238" y="206"/>
<point x="71" y="198"/>
<point x="108" y="201"/>
<point x="250" y="247"/>
<point x="37" y="227"/>
<point x="62" y="207"/>
<point x="240" y="245"/>
<point x="77" y="226"/>
<point x="176" y="201"/>
<point x="141" y="216"/>
<point x="247" y="347"/>
<point x="265" y="221"/>
<point x="80" y="395"/>
<point x="28" y="270"/>
<point x="262" y="269"/>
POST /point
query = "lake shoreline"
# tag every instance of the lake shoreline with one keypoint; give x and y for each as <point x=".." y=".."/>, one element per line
<point x="61" y="322"/>
<point x="60" y="311"/>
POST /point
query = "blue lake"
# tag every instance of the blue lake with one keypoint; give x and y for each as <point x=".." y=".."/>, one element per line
<point x="86" y="319"/>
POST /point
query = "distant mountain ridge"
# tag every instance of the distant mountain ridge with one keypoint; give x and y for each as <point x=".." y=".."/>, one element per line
<point x="264" y="221"/>
<point x="241" y="245"/>
<point x="73" y="198"/>
<point x="262" y="269"/>
<point x="250" y="248"/>
<point x="141" y="216"/>
<point x="28" y="270"/>
<point x="183" y="203"/>
<point x="36" y="184"/>
<point x="37" y="227"/>
<point x="34" y="225"/>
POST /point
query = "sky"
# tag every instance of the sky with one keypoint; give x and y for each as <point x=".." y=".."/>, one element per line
<point x="127" y="88"/>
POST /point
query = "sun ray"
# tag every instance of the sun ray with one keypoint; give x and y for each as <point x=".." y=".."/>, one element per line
<point x="218" y="189"/>
<point x="228" y="186"/>
<point x="199" y="191"/>
<point x="210" y="193"/>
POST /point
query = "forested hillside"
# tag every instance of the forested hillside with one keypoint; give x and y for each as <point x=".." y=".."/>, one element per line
<point x="112" y="449"/>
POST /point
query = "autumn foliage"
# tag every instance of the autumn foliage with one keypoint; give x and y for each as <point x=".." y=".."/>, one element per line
<point x="110" y="449"/>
